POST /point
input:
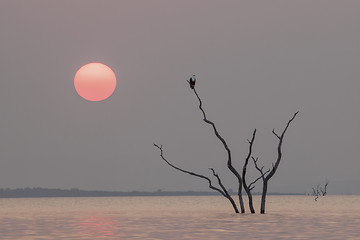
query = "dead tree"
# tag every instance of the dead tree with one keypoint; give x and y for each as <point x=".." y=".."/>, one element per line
<point x="222" y="191"/>
<point x="319" y="191"/>
<point x="229" y="158"/>
<point x="270" y="173"/>
<point x="241" y="179"/>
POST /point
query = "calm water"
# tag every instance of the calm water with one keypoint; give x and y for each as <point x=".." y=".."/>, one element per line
<point x="205" y="217"/>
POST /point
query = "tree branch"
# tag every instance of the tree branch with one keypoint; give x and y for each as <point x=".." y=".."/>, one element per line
<point x="324" y="192"/>
<point x="255" y="160"/>
<point x="279" y="150"/>
<point x="222" y="140"/>
<point x="247" y="159"/>
<point x="273" y="131"/>
<point x="223" y="193"/>
<point x="217" y="134"/>
<point x="262" y="174"/>
<point x="185" y="171"/>
<point x="220" y="183"/>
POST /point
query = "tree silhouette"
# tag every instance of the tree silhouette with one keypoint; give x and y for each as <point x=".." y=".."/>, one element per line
<point x="241" y="178"/>
<point x="266" y="176"/>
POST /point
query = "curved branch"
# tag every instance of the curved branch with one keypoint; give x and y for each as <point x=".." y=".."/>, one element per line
<point x="188" y="172"/>
<point x="269" y="174"/>
<point x="227" y="195"/>
<point x="220" y="182"/>
<point x="224" y="193"/>
<point x="215" y="131"/>
<point x="229" y="162"/>
<point x="281" y="137"/>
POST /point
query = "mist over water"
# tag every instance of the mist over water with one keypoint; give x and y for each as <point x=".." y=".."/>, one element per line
<point x="200" y="217"/>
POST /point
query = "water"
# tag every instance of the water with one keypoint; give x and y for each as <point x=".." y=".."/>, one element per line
<point x="203" y="217"/>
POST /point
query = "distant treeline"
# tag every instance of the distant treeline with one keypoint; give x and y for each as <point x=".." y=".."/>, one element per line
<point x="74" y="192"/>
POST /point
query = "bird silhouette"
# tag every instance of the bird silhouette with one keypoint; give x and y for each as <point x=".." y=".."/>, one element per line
<point x="192" y="82"/>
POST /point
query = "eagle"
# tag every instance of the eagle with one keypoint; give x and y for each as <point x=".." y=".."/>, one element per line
<point x="192" y="82"/>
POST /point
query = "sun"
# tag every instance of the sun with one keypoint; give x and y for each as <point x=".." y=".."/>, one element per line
<point x="95" y="81"/>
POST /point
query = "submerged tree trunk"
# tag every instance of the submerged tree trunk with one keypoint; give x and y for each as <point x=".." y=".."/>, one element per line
<point x="251" y="205"/>
<point x="267" y="177"/>
<point x="241" y="201"/>
<point x="263" y="197"/>
<point x="248" y="188"/>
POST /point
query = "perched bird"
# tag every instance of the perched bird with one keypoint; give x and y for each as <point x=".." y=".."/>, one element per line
<point x="192" y="82"/>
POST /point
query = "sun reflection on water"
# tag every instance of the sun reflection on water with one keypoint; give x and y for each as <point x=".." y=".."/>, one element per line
<point x="98" y="227"/>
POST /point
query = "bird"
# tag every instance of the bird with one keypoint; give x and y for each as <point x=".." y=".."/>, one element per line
<point x="192" y="82"/>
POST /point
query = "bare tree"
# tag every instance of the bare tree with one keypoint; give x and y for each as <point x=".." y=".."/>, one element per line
<point x="270" y="173"/>
<point x="319" y="191"/>
<point x="222" y="191"/>
<point x="241" y="179"/>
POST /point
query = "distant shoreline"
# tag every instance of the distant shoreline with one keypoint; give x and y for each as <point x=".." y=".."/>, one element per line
<point x="74" y="192"/>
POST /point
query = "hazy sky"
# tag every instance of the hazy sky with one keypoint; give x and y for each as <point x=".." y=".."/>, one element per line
<point x="257" y="62"/>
